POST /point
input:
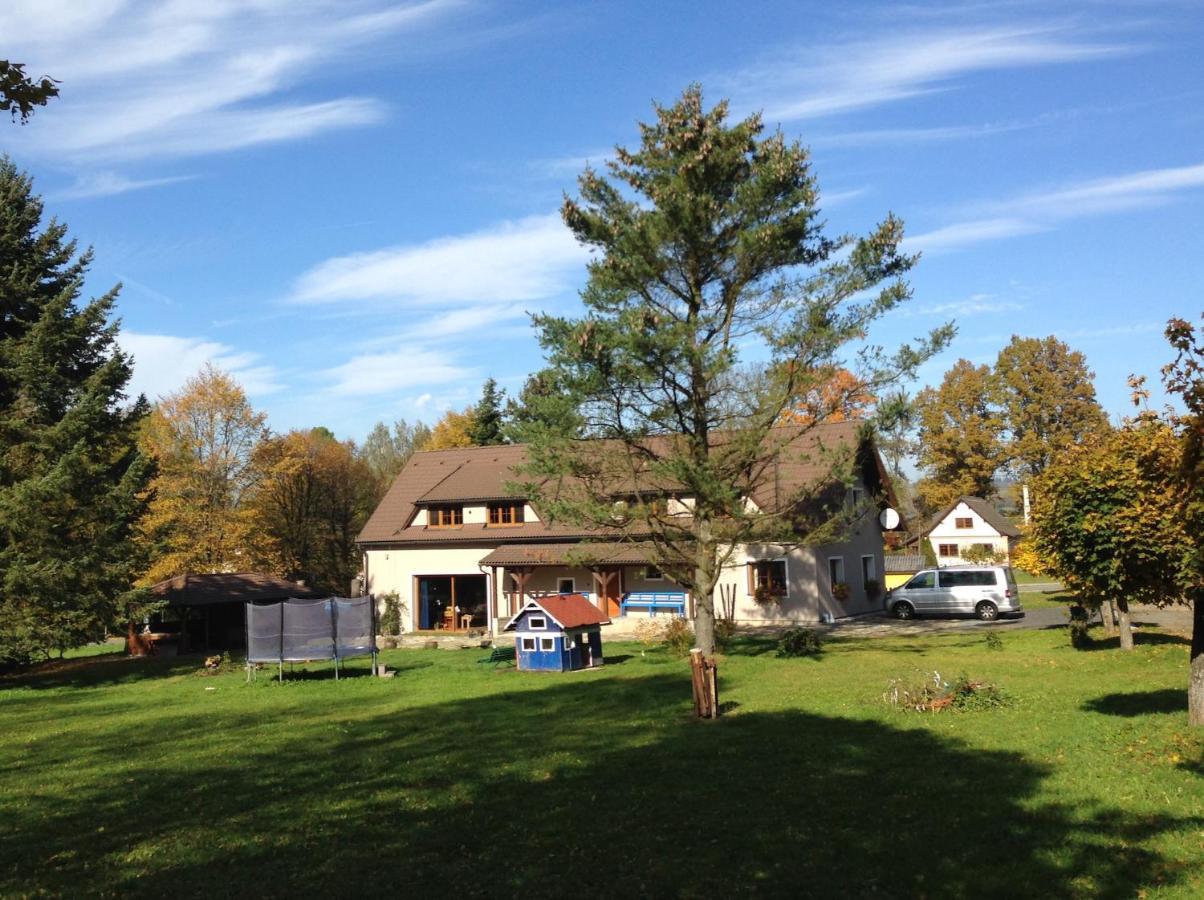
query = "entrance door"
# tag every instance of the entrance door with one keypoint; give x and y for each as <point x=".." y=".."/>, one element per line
<point x="611" y="590"/>
<point x="452" y="602"/>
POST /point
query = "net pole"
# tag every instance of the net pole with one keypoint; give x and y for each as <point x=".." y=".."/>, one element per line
<point x="280" y="652"/>
<point x="246" y="627"/>
<point x="372" y="607"/>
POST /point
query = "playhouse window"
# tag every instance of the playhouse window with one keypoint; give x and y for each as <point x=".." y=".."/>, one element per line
<point x="538" y="622"/>
<point x="546" y="644"/>
<point x="528" y="643"/>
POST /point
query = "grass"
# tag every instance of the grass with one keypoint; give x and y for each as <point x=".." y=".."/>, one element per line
<point x="138" y="778"/>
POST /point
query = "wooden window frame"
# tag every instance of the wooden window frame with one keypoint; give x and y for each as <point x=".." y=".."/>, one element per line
<point x="832" y="573"/>
<point x="963" y="523"/>
<point x="760" y="573"/>
<point x="435" y="516"/>
<point x="941" y="548"/>
<point x="506" y="515"/>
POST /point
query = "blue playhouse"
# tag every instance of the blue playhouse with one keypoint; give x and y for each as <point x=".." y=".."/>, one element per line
<point x="558" y="633"/>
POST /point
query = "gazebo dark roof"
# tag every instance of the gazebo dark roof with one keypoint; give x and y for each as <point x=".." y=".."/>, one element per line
<point x="242" y="587"/>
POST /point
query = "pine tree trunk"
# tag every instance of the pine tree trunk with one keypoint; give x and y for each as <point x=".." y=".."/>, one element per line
<point x="1126" y="627"/>
<point x="1108" y="616"/>
<point x="1195" y="684"/>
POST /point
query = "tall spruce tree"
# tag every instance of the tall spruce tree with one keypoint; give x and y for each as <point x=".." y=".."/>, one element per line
<point x="487" y="422"/>
<point x="710" y="244"/>
<point x="72" y="481"/>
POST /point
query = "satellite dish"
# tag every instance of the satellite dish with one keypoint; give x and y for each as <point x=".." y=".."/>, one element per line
<point x="889" y="519"/>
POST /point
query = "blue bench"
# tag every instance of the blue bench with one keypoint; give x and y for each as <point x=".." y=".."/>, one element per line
<point x="654" y="600"/>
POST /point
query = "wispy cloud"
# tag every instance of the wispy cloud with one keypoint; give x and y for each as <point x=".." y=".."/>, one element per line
<point x="1037" y="211"/>
<point x="106" y="184"/>
<point x="403" y="368"/>
<point x="163" y="362"/>
<point x="851" y="75"/>
<point x="974" y="305"/>
<point x="524" y="260"/>
<point x="147" y="79"/>
<point x="895" y="136"/>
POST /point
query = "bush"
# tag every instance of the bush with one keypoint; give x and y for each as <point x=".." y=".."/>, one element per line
<point x="929" y="692"/>
<point x="725" y="630"/>
<point x="390" y="618"/>
<point x="1080" y="621"/>
<point x="994" y="641"/>
<point x="799" y="642"/>
<point x="678" y="637"/>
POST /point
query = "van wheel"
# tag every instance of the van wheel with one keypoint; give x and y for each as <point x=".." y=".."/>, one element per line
<point x="987" y="611"/>
<point x="903" y="611"/>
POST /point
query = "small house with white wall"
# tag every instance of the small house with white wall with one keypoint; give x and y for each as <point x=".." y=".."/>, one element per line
<point x="971" y="522"/>
<point x="558" y="633"/>
<point x="462" y="553"/>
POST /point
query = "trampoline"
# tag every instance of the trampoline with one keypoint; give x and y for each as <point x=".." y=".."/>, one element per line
<point x="297" y="630"/>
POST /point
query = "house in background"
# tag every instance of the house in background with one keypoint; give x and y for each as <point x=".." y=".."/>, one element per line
<point x="462" y="553"/>
<point x="970" y="522"/>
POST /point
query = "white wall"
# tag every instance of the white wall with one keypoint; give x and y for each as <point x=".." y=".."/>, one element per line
<point x="393" y="571"/>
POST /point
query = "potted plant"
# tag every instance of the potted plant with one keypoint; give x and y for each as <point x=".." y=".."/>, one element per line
<point x="764" y="595"/>
<point x="840" y="590"/>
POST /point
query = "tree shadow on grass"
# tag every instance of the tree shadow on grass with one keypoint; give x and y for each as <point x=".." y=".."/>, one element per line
<point x="1140" y="638"/>
<point x="1139" y="703"/>
<point x="99" y="671"/>
<point x="605" y="785"/>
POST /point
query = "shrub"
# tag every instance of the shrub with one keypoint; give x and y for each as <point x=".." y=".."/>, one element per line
<point x="982" y="556"/>
<point x="725" y="630"/>
<point x="390" y="618"/>
<point x="994" y="641"/>
<point x="678" y="637"/>
<point x="799" y="642"/>
<point x="1080" y="621"/>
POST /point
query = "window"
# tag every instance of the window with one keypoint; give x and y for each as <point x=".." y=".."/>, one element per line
<point x="836" y="569"/>
<point x="538" y="622"/>
<point x="986" y="548"/>
<point x="946" y="550"/>
<point x="546" y="644"/>
<point x="566" y="586"/>
<point x="856" y="496"/>
<point x="967" y="579"/>
<point x="528" y="643"/>
<point x="653" y="574"/>
<point x="923" y="580"/>
<point x="770" y="575"/>
<point x="506" y="513"/>
<point x="966" y="522"/>
<point x="446" y="516"/>
<point x="869" y="571"/>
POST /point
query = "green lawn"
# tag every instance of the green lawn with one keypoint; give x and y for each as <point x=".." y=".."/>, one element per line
<point x="129" y="777"/>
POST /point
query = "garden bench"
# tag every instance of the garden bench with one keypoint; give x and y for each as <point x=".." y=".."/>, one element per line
<point x="498" y="655"/>
<point x="654" y="600"/>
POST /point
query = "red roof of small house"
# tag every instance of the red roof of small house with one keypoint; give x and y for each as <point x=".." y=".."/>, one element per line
<point x="567" y="610"/>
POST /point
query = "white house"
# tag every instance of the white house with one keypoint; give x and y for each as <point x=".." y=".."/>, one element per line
<point x="460" y="552"/>
<point x="970" y="522"/>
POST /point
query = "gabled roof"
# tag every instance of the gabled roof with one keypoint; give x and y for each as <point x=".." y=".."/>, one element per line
<point x="479" y="474"/>
<point x="226" y="587"/>
<point x="566" y="610"/>
<point x="984" y="510"/>
<point x="582" y="553"/>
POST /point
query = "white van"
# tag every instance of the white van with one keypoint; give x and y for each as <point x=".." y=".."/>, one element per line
<point x="984" y="591"/>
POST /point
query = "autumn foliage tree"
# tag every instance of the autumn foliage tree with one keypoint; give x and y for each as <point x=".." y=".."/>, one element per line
<point x="312" y="496"/>
<point x="203" y="439"/>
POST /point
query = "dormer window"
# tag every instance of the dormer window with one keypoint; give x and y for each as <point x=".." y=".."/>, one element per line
<point x="446" y="516"/>
<point x="506" y="513"/>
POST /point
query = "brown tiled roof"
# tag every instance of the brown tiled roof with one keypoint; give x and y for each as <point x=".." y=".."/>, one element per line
<point x="586" y="552"/>
<point x="242" y="587"/>
<point x="569" y="611"/>
<point x="480" y="473"/>
<point x="985" y="510"/>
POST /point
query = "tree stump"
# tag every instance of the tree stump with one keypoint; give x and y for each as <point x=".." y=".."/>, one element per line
<point x="704" y="677"/>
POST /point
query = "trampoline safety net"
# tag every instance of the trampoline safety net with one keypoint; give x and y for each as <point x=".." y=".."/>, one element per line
<point x="296" y="630"/>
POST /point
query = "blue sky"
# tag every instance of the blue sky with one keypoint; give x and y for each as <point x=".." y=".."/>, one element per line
<point x="352" y="205"/>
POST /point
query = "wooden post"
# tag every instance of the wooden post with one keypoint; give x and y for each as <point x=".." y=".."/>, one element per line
<point x="705" y="682"/>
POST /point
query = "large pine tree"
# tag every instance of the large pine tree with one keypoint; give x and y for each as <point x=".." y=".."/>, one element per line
<point x="72" y="482"/>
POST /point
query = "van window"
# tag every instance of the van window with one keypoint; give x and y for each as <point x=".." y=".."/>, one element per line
<point x="968" y="579"/>
<point x="923" y="580"/>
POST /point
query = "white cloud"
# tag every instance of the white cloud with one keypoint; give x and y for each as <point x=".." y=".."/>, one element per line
<point x="1038" y="211"/>
<point x="974" y="305"/>
<point x="163" y="362"/>
<point x="841" y="77"/>
<point x="524" y="260"/>
<point x="404" y="368"/>
<point x="895" y="136"/>
<point x="106" y="184"/>
<point x="151" y="79"/>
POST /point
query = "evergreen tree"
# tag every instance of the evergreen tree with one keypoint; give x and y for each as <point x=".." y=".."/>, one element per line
<point x="487" y="422"/>
<point x="72" y="480"/>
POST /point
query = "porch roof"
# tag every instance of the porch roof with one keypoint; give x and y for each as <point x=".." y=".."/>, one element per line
<point x="577" y="554"/>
